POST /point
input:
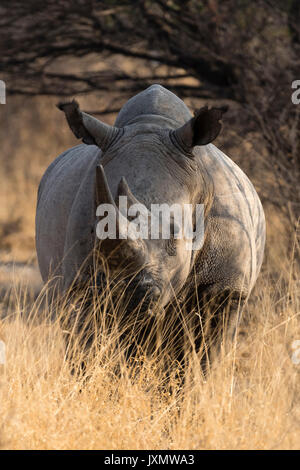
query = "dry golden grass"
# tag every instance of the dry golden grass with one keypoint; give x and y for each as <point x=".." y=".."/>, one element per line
<point x="249" y="399"/>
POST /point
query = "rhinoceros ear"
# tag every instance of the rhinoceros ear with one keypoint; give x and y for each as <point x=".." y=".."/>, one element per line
<point x="202" y="129"/>
<point x="89" y="129"/>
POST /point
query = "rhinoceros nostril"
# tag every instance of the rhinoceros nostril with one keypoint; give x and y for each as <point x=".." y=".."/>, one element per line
<point x="155" y="293"/>
<point x="143" y="295"/>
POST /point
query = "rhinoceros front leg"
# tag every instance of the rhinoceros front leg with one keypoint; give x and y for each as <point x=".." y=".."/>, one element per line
<point x="219" y="319"/>
<point x="211" y="322"/>
<point x="79" y="319"/>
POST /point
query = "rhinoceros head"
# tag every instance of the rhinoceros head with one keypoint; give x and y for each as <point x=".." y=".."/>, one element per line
<point x="156" y="267"/>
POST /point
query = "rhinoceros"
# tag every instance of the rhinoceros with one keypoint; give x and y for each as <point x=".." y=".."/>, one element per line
<point x="156" y="153"/>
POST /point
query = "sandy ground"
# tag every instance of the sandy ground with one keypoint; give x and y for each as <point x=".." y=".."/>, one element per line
<point x="20" y="273"/>
<point x="18" y="281"/>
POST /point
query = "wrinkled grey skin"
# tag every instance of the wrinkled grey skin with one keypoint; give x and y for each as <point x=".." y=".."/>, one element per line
<point x="157" y="169"/>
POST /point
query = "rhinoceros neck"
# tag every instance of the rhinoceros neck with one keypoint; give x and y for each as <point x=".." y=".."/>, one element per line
<point x="155" y="119"/>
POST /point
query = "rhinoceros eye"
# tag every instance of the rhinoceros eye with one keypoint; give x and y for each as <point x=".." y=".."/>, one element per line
<point x="171" y="246"/>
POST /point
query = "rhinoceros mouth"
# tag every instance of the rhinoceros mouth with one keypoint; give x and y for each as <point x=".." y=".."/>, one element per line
<point x="143" y="297"/>
<point x="136" y="294"/>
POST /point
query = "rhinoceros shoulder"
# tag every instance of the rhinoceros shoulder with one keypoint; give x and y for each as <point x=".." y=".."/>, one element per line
<point x="235" y="226"/>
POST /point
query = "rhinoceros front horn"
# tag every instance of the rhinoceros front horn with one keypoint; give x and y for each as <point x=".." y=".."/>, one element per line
<point x="86" y="127"/>
<point x="202" y="129"/>
<point x="103" y="196"/>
